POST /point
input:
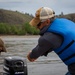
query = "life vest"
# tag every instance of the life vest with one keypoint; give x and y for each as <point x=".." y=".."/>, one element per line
<point x="66" y="29"/>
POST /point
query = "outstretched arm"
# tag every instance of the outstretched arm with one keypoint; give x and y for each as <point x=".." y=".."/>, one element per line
<point x="43" y="47"/>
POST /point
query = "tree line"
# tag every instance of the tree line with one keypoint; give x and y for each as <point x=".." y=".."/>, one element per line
<point x="25" y="29"/>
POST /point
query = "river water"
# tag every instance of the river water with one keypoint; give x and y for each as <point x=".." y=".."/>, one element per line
<point x="21" y="45"/>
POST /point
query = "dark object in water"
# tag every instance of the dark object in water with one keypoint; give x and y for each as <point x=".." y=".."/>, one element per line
<point x="15" y="65"/>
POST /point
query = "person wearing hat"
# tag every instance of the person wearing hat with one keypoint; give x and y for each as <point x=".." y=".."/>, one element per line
<point x="2" y="46"/>
<point x="56" y="34"/>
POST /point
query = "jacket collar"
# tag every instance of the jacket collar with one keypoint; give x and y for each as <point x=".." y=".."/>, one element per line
<point x="43" y="30"/>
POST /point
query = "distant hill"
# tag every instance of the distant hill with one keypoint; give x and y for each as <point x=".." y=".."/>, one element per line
<point x="17" y="18"/>
<point x="14" y="17"/>
<point x="16" y="23"/>
<point x="70" y="16"/>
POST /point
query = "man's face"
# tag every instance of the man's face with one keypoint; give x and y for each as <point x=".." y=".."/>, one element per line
<point x="43" y="24"/>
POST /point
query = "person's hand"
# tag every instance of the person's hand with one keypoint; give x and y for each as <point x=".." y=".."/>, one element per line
<point x="30" y="59"/>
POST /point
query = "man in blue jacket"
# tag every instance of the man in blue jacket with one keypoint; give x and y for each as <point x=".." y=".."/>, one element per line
<point x="57" y="35"/>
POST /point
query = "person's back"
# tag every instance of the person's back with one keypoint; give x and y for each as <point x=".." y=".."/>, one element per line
<point x="66" y="29"/>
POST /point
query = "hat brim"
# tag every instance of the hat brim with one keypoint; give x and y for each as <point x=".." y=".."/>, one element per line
<point x="34" y="22"/>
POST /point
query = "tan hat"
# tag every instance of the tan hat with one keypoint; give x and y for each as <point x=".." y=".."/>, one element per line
<point x="42" y="13"/>
<point x="2" y="46"/>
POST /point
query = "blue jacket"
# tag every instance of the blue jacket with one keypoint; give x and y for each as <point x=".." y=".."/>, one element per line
<point x="66" y="29"/>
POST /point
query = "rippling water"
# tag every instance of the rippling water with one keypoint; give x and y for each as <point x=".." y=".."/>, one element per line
<point x="20" y="46"/>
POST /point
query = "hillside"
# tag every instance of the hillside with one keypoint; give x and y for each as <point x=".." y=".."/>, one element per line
<point x="17" y="18"/>
<point x="13" y="17"/>
<point x="70" y="16"/>
<point x="16" y="23"/>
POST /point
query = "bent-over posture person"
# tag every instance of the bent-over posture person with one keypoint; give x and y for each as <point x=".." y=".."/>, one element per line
<point x="56" y="34"/>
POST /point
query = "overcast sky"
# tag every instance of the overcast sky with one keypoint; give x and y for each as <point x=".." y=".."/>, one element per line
<point x="30" y="6"/>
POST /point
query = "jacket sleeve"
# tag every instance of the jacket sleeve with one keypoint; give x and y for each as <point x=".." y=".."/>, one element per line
<point x="42" y="47"/>
<point x="46" y="44"/>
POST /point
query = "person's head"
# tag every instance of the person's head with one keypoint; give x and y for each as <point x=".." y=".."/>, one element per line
<point x="43" y="17"/>
<point x="2" y="46"/>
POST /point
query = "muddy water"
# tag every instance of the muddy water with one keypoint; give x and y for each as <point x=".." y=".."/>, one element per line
<point x="20" y="46"/>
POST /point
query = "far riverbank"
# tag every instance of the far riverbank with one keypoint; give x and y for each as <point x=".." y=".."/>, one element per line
<point x="26" y="36"/>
